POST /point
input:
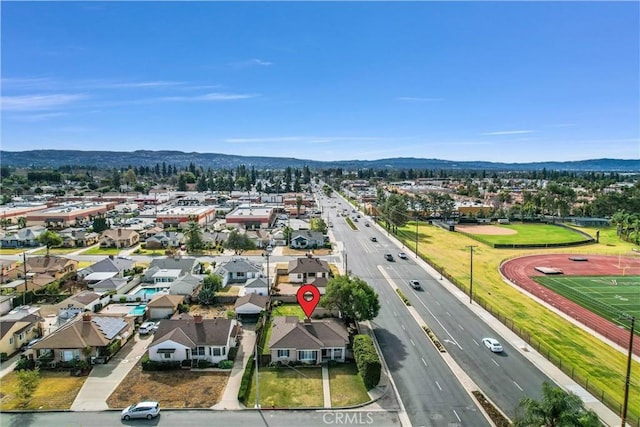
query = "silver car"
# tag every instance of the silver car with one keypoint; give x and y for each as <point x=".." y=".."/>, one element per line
<point x="147" y="409"/>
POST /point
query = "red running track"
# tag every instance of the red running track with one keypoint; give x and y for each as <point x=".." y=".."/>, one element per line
<point x="520" y="270"/>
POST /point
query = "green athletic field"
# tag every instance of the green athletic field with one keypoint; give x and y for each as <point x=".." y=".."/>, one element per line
<point x="531" y="234"/>
<point x="607" y="296"/>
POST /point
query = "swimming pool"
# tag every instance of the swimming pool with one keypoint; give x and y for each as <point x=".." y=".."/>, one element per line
<point x="146" y="293"/>
<point x="139" y="310"/>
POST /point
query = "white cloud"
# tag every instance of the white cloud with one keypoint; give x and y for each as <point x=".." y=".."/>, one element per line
<point x="508" y="132"/>
<point x="36" y="117"/>
<point x="38" y="102"/>
<point x="215" y="96"/>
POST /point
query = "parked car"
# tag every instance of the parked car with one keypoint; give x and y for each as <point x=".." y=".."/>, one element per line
<point x="402" y="255"/>
<point x="492" y="344"/>
<point x="388" y="257"/>
<point x="147" y="409"/>
<point x="373" y="239"/>
<point x="147" y="328"/>
<point x="415" y="284"/>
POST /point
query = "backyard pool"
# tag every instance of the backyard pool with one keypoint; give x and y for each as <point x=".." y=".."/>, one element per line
<point x="145" y="293"/>
<point x="139" y="310"/>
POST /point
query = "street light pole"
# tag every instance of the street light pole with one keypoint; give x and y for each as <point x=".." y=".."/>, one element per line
<point x="471" y="273"/>
<point x="416" y="235"/>
<point x="627" y="379"/>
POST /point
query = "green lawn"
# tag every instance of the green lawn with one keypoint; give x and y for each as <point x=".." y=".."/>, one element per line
<point x="294" y="387"/>
<point x="603" y="367"/>
<point x="533" y="234"/>
<point x="12" y="251"/>
<point x="102" y="251"/>
<point x="288" y="310"/>
<point x="55" y="251"/>
<point x="608" y="296"/>
<point x="347" y="387"/>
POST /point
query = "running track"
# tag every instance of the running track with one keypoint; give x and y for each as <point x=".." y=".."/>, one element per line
<point x="520" y="270"/>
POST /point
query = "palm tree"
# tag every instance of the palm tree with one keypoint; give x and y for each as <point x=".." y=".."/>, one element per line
<point x="557" y="408"/>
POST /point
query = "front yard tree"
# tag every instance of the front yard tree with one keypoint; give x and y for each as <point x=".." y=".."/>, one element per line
<point x="193" y="235"/>
<point x="211" y="284"/>
<point x="50" y="239"/>
<point x="353" y="297"/>
<point x="556" y="408"/>
<point x="239" y="242"/>
<point x="318" y="224"/>
<point x="27" y="384"/>
<point x="100" y="224"/>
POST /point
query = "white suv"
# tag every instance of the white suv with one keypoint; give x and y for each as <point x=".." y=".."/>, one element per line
<point x="147" y="328"/>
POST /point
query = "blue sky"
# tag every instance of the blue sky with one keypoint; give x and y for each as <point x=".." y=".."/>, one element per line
<point x="495" y="81"/>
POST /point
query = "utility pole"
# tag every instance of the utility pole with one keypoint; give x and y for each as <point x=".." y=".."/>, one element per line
<point x="346" y="271"/>
<point x="627" y="379"/>
<point x="471" y="273"/>
<point x="416" y="235"/>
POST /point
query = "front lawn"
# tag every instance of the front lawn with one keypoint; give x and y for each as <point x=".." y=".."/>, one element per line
<point x="347" y="387"/>
<point x="55" y="251"/>
<point x="56" y="390"/>
<point x="97" y="250"/>
<point x="173" y="389"/>
<point x="293" y="387"/>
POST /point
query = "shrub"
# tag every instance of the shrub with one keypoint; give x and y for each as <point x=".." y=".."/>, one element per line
<point x="225" y="364"/>
<point x="233" y="351"/>
<point x="24" y="364"/>
<point x="367" y="360"/>
<point x="151" y="365"/>
<point x="403" y="297"/>
<point x="231" y="314"/>
<point x="3" y="356"/>
<point x="243" y="393"/>
<point x="123" y="299"/>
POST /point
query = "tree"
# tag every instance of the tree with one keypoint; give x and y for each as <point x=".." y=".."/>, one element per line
<point x="193" y="235"/>
<point x="239" y="242"/>
<point x="211" y="284"/>
<point x="100" y="224"/>
<point x="22" y="222"/>
<point x="556" y="409"/>
<point x="318" y="224"/>
<point x="50" y="239"/>
<point x="352" y="297"/>
<point x="27" y="384"/>
<point x="298" y="205"/>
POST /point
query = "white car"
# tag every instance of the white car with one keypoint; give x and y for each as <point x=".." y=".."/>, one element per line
<point x="148" y="410"/>
<point x="492" y="344"/>
<point x="402" y="255"/>
<point x="415" y="284"/>
<point x="147" y="328"/>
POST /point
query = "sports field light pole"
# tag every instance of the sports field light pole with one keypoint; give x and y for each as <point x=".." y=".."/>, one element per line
<point x="627" y="379"/>
<point x="471" y="273"/>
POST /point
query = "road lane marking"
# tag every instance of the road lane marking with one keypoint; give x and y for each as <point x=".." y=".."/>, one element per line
<point x="412" y="343"/>
<point x="518" y="386"/>
<point x="475" y="342"/>
<point x="459" y="420"/>
<point x="438" y="384"/>
<point x="453" y="340"/>
<point x="496" y="363"/>
<point x="395" y="314"/>
<point x="403" y="328"/>
<point x="460" y="326"/>
<point x="424" y="361"/>
<point x="448" y="314"/>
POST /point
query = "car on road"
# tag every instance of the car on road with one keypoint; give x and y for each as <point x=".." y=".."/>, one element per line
<point x="388" y="257"/>
<point x="366" y="224"/>
<point x="373" y="239"/>
<point x="147" y="328"/>
<point x="402" y="255"/>
<point x="492" y="344"/>
<point x="146" y="409"/>
<point x="415" y="284"/>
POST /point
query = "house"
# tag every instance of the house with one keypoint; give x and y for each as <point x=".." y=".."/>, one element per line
<point x="119" y="285"/>
<point x="164" y="240"/>
<point x="250" y="305"/>
<point x="308" y="341"/>
<point x="238" y="270"/>
<point x="119" y="238"/>
<point x="114" y="266"/>
<point x="185" y="285"/>
<point x="80" y="302"/>
<point x="34" y="282"/>
<point x="163" y="306"/>
<point x="87" y="337"/>
<point x="55" y="266"/>
<point x="306" y="239"/>
<point x="8" y="270"/>
<point x="78" y="237"/>
<point x="307" y="269"/>
<point x="186" y="265"/>
<point x="257" y="285"/>
<point x="16" y="332"/>
<point x="6" y="304"/>
<point x="194" y="338"/>
<point x="23" y="238"/>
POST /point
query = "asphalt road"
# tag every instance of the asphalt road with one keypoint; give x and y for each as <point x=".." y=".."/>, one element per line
<point x="431" y="394"/>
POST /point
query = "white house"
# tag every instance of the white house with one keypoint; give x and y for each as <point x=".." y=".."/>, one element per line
<point x="193" y="338"/>
<point x="238" y="270"/>
<point x="257" y="285"/>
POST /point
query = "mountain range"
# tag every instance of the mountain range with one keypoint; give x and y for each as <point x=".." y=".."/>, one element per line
<point x="119" y="159"/>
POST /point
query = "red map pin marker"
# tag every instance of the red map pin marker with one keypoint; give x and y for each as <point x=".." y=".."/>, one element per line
<point x="308" y="298"/>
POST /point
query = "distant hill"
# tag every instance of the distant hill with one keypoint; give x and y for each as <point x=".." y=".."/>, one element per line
<point x="110" y="159"/>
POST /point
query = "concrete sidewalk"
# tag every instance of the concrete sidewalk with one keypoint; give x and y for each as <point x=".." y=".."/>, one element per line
<point x="326" y="388"/>
<point x="229" y="398"/>
<point x="104" y="379"/>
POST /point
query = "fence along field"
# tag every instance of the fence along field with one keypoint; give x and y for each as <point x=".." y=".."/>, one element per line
<point x="608" y="296"/>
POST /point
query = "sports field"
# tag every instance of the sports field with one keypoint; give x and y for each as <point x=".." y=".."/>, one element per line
<point x="518" y="234"/>
<point x="607" y="296"/>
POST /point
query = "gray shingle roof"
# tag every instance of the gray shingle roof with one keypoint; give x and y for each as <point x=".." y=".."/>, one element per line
<point x="208" y="332"/>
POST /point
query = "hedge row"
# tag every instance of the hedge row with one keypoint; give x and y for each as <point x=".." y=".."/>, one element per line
<point x="245" y="383"/>
<point x="367" y="360"/>
<point x="403" y="297"/>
